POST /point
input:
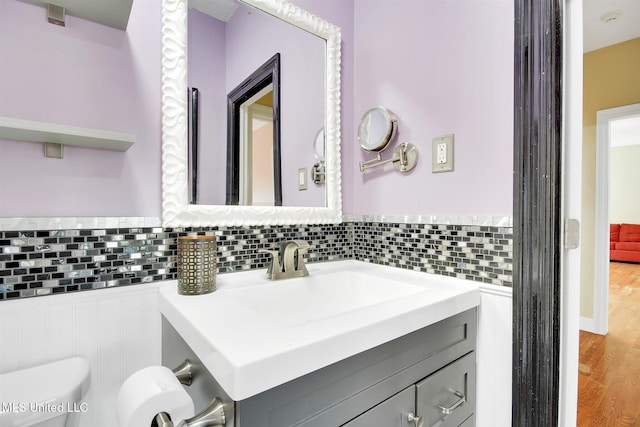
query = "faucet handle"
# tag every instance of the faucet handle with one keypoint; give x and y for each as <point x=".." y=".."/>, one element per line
<point x="302" y="245"/>
<point x="273" y="252"/>
<point x="302" y="248"/>
<point x="288" y="261"/>
<point x="274" y="265"/>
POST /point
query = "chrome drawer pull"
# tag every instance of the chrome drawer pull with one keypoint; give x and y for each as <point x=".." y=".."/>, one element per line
<point x="455" y="406"/>
<point x="416" y="420"/>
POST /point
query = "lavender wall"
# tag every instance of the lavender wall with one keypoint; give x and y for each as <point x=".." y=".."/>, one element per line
<point x="442" y="66"/>
<point x="85" y="75"/>
<point x="207" y="71"/>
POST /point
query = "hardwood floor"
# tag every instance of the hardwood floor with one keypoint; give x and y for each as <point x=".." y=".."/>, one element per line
<point x="609" y="369"/>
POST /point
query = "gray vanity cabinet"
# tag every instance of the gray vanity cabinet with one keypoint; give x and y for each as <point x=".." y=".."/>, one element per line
<point x="444" y="399"/>
<point x="448" y="396"/>
<point x="423" y="373"/>
<point x="392" y="412"/>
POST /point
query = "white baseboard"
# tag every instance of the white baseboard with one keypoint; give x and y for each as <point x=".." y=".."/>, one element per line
<point x="589" y="324"/>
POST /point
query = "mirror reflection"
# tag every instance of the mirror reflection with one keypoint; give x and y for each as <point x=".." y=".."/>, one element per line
<point x="318" y="145"/>
<point x="253" y="139"/>
<point x="377" y="128"/>
<point x="228" y="43"/>
<point x="318" y="170"/>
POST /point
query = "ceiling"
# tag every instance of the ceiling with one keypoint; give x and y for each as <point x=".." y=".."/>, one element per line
<point x="599" y="34"/>
<point x="222" y="10"/>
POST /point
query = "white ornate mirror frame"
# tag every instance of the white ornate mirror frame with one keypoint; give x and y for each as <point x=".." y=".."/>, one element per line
<point x="176" y="210"/>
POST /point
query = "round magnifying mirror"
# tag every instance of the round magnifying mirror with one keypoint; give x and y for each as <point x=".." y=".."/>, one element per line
<point x="318" y="145"/>
<point x="377" y="129"/>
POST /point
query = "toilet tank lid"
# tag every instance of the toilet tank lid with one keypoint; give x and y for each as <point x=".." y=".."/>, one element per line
<point x="37" y="393"/>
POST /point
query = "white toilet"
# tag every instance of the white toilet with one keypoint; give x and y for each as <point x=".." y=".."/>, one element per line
<point x="47" y="395"/>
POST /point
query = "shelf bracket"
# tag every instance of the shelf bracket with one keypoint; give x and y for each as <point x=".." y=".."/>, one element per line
<point x="53" y="150"/>
<point x="56" y="14"/>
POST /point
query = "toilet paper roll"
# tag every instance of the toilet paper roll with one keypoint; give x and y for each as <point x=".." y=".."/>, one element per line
<point x="150" y="391"/>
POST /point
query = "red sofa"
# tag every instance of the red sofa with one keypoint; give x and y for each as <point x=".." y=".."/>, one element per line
<point x="624" y="244"/>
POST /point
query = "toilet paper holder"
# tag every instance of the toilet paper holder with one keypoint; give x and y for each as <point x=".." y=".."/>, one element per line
<point x="211" y="416"/>
<point x="183" y="372"/>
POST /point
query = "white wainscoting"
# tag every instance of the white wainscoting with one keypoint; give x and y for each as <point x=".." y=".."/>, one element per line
<point x="118" y="330"/>
<point x="495" y="337"/>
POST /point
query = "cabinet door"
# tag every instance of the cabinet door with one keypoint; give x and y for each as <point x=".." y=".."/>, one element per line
<point x="393" y="412"/>
<point x="447" y="398"/>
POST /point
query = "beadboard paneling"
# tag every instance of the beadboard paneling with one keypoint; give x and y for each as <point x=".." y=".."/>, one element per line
<point x="494" y="357"/>
<point x="117" y="330"/>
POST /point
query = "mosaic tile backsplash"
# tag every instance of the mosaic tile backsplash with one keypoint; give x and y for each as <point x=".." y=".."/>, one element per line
<point x="471" y="252"/>
<point x="45" y="262"/>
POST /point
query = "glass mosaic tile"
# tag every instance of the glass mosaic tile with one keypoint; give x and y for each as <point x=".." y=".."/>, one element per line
<point x="46" y="262"/>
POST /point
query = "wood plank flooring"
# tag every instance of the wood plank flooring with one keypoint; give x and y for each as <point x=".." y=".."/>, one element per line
<point x="609" y="368"/>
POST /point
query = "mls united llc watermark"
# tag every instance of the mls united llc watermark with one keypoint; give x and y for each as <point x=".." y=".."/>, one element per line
<point x="57" y="407"/>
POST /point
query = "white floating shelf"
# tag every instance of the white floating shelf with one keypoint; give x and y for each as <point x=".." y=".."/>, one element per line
<point x="27" y="130"/>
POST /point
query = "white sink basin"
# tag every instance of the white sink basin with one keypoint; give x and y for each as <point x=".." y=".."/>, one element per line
<point x="253" y="334"/>
<point x="296" y="301"/>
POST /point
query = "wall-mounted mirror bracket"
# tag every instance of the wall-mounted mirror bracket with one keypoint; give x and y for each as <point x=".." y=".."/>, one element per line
<point x="405" y="158"/>
<point x="318" y="173"/>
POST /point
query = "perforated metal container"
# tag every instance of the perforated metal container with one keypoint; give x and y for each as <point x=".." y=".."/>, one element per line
<point x="196" y="265"/>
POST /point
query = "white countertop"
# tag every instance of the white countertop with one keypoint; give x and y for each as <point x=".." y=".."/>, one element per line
<point x="253" y="334"/>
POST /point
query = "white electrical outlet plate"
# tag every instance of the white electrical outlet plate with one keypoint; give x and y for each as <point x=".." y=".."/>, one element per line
<point x="302" y="179"/>
<point x="442" y="154"/>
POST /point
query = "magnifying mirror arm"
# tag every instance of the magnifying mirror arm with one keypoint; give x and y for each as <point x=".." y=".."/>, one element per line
<point x="374" y="162"/>
<point x="404" y="158"/>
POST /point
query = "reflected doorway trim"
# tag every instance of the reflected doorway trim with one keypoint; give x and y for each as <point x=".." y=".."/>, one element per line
<point x="537" y="211"/>
<point x="250" y="114"/>
<point x="267" y="73"/>
<point x="194" y="132"/>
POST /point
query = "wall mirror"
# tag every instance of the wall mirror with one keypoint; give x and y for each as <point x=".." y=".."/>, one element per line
<point x="377" y="129"/>
<point x="178" y="71"/>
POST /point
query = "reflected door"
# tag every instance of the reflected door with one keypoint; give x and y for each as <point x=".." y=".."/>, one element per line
<point x="257" y="185"/>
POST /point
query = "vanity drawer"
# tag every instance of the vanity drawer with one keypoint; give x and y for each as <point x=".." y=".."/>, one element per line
<point x="340" y="392"/>
<point x="427" y="399"/>
<point x="447" y="398"/>
<point x="390" y="413"/>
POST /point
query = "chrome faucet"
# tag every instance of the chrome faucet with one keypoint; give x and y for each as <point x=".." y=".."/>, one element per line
<point x="288" y="261"/>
